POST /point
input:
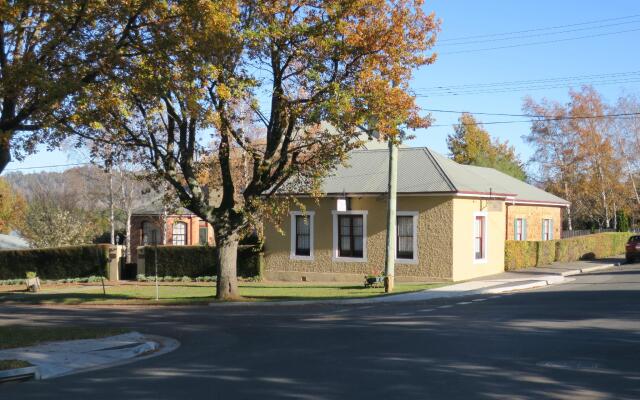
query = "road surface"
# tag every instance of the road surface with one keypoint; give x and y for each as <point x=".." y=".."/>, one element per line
<point x="578" y="340"/>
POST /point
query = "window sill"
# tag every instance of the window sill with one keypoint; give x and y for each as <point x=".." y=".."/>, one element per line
<point x="348" y="259"/>
<point x="409" y="261"/>
<point x="301" y="258"/>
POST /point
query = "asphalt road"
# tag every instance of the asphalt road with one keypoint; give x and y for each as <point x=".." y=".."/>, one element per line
<point x="579" y="340"/>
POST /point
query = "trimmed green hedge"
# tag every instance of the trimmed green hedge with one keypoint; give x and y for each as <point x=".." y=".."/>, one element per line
<point x="196" y="261"/>
<point x="520" y="254"/>
<point x="525" y="254"/>
<point x="55" y="263"/>
<point x="592" y="246"/>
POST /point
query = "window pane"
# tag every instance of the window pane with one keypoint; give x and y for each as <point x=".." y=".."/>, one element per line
<point x="179" y="234"/>
<point x="303" y="235"/>
<point x="204" y="235"/>
<point x="404" y="240"/>
<point x="350" y="235"/>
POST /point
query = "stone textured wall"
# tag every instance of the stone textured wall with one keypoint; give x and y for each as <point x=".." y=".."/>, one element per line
<point x="464" y="265"/>
<point x="534" y="216"/>
<point x="435" y="242"/>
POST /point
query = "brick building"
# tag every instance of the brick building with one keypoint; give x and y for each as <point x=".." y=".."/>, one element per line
<point x="179" y="228"/>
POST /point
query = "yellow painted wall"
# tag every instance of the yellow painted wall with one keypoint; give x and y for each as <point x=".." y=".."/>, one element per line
<point x="534" y="216"/>
<point x="464" y="265"/>
<point x="435" y="242"/>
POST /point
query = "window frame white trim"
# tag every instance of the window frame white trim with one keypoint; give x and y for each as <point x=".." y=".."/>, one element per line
<point x="485" y="236"/>
<point x="414" y="260"/>
<point x="311" y="217"/>
<point x="334" y="254"/>
<point x="185" y="234"/>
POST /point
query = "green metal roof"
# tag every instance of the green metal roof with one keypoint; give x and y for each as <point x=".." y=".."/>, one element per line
<point x="422" y="170"/>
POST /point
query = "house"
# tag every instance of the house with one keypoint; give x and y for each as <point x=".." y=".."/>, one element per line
<point x="452" y="221"/>
<point x="180" y="227"/>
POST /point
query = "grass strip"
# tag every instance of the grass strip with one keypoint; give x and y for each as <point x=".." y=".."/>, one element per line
<point x="13" y="336"/>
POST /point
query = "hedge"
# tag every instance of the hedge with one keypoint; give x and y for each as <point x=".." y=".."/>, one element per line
<point x="525" y="254"/>
<point x="196" y="261"/>
<point x="55" y="263"/>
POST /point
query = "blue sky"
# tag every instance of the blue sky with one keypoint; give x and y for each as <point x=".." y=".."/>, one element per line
<point x="608" y="50"/>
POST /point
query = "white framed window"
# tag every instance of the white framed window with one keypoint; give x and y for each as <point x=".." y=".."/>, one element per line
<point x="302" y="226"/>
<point x="179" y="234"/>
<point x="520" y="229"/>
<point x="547" y="229"/>
<point x="480" y="237"/>
<point x="407" y="237"/>
<point x="350" y="235"/>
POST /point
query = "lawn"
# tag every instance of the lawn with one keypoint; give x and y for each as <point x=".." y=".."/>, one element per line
<point x="199" y="293"/>
<point x="13" y="364"/>
<point x="21" y="336"/>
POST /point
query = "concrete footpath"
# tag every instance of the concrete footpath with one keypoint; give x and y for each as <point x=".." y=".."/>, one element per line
<point x="528" y="278"/>
<point x="54" y="359"/>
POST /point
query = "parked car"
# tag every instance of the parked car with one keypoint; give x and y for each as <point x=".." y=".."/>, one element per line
<point x="632" y="249"/>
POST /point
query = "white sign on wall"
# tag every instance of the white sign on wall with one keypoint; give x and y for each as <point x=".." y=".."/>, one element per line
<point x="341" y="205"/>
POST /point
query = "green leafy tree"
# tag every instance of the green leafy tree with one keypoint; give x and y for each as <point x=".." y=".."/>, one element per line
<point x="471" y="144"/>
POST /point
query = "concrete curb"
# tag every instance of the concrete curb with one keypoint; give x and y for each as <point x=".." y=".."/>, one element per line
<point x="161" y="345"/>
<point x="538" y="282"/>
<point x="43" y="368"/>
<point x="19" y="374"/>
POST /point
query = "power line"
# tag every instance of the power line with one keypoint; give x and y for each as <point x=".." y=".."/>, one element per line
<point x="532" y="115"/>
<point x="528" y="81"/>
<point x="538" y="43"/>
<point x="444" y="92"/>
<point x="539" y="29"/>
<point x="537" y="118"/>
<point x="537" y="34"/>
<point x="47" y="166"/>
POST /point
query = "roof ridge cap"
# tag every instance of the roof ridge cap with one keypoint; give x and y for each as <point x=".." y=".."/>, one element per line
<point x="440" y="169"/>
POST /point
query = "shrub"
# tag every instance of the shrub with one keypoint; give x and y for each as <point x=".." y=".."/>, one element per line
<point x="523" y="254"/>
<point x="519" y="254"/>
<point x="194" y="261"/>
<point x="31" y="274"/>
<point x="546" y="252"/>
<point x="55" y="263"/>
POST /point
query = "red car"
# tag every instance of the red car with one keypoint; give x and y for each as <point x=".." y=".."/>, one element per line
<point x="632" y="249"/>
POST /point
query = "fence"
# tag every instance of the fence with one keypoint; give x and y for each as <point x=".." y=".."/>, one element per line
<point x="584" y="232"/>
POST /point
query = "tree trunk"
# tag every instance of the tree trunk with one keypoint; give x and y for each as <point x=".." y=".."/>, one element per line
<point x="227" y="284"/>
<point x="128" y="233"/>
<point x="5" y="149"/>
<point x="569" y="221"/>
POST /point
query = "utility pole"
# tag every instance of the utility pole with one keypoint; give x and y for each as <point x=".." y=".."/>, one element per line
<point x="389" y="265"/>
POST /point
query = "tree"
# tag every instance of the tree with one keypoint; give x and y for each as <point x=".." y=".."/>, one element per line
<point x="322" y="68"/>
<point x="471" y="144"/>
<point x="12" y="207"/>
<point x="55" y="219"/>
<point x="50" y="50"/>
<point x="576" y="151"/>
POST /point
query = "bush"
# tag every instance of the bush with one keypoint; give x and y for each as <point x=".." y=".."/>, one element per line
<point x="523" y="254"/>
<point x="55" y="263"/>
<point x="198" y="261"/>
<point x="519" y="254"/>
<point x="546" y="252"/>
